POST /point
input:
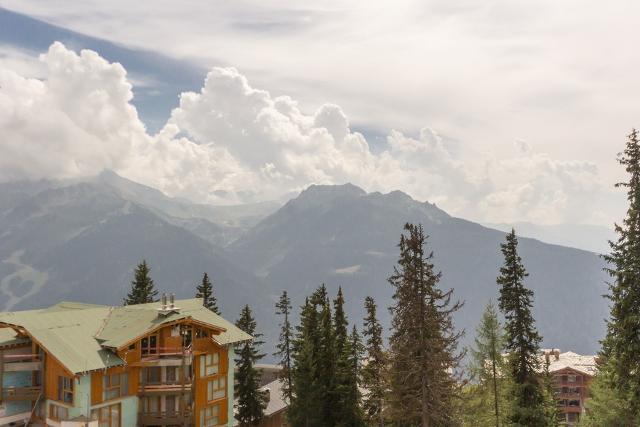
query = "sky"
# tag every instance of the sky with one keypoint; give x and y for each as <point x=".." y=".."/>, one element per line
<point x="497" y="111"/>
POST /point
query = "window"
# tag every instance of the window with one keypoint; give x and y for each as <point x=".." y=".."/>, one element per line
<point x="572" y="378"/>
<point x="170" y="404"/>
<point x="152" y="375"/>
<point x="115" y="386"/>
<point x="65" y="389"/>
<point x="132" y="346"/>
<point x="149" y="345"/>
<point x="185" y="331"/>
<point x="209" y="416"/>
<point x="216" y="388"/>
<point x="171" y="374"/>
<point x="107" y="416"/>
<point x="209" y="364"/>
<point x="151" y="404"/>
<point x="58" y="413"/>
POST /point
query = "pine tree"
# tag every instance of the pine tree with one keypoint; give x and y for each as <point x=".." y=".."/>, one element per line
<point x="522" y="340"/>
<point x="142" y="288"/>
<point x="617" y="384"/>
<point x="423" y="344"/>
<point x="284" y="346"/>
<point x="349" y="412"/>
<point x="373" y="377"/>
<point x="251" y="401"/>
<point x="205" y="291"/>
<point x="484" y="403"/>
<point x="305" y="409"/>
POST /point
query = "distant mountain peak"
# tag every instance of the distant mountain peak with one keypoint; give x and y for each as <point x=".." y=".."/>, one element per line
<point x="347" y="189"/>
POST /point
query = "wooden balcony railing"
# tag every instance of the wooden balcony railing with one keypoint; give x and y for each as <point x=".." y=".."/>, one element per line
<point x="164" y="418"/>
<point x="171" y="387"/>
<point x="21" y="393"/>
<point x="20" y="362"/>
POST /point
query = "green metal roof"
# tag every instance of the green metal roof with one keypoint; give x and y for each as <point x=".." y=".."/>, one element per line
<point x="125" y="324"/>
<point x="78" y="335"/>
<point x="9" y="338"/>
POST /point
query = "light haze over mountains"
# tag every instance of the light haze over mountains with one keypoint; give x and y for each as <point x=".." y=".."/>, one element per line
<point x="81" y="240"/>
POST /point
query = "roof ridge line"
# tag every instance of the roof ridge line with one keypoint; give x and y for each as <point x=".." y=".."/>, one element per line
<point x="104" y="322"/>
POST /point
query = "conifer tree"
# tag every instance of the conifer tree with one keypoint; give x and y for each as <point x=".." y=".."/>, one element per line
<point x="373" y="377"/>
<point x="305" y="409"/>
<point x="423" y="344"/>
<point x="522" y="341"/>
<point x="617" y="384"/>
<point x="484" y="403"/>
<point x="251" y="401"/>
<point x="205" y="291"/>
<point x="142" y="288"/>
<point x="285" y="345"/>
<point x="349" y="412"/>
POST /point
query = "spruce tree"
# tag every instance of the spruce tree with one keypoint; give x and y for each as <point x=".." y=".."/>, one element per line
<point x="142" y="288"/>
<point x="423" y="343"/>
<point x="617" y="384"/>
<point x="205" y="291"/>
<point x="373" y="373"/>
<point x="349" y="412"/>
<point x="522" y="341"/>
<point x="285" y="345"/>
<point x="305" y="409"/>
<point x="485" y="395"/>
<point x="251" y="401"/>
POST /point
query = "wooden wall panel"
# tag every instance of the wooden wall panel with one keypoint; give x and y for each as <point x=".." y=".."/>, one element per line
<point x="52" y="371"/>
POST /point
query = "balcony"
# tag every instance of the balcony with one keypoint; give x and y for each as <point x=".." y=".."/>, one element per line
<point x="21" y="362"/>
<point x="171" y="387"/>
<point x="165" y="418"/>
<point x="165" y="356"/>
<point x="21" y="393"/>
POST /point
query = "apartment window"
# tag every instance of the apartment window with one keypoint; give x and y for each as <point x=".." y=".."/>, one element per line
<point x="209" y="364"/>
<point x="151" y="404"/>
<point x="574" y="403"/>
<point x="149" y="345"/>
<point x="115" y="386"/>
<point x="172" y="374"/>
<point x="572" y="378"/>
<point x="132" y="346"/>
<point x="216" y="388"/>
<point x="107" y="416"/>
<point x="209" y="416"/>
<point x="65" y="389"/>
<point x="153" y="375"/>
<point x="200" y="333"/>
<point x="170" y="404"/>
<point x="58" y="413"/>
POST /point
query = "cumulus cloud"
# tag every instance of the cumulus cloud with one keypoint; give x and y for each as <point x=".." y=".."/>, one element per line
<point x="232" y="143"/>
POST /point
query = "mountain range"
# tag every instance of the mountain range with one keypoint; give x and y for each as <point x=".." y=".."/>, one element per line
<point x="80" y="240"/>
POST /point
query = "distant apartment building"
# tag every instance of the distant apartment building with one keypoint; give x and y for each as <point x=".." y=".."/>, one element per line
<point x="572" y="374"/>
<point x="158" y="364"/>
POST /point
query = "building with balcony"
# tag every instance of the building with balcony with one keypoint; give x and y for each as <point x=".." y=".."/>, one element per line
<point x="155" y="364"/>
<point x="572" y="374"/>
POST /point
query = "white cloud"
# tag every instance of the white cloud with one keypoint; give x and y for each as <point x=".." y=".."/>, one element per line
<point x="232" y="143"/>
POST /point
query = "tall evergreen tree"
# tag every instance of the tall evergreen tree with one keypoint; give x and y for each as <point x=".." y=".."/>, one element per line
<point x="522" y="341"/>
<point x="423" y="344"/>
<point x="373" y="373"/>
<point x="285" y="344"/>
<point x="306" y="408"/>
<point x="617" y="384"/>
<point x="349" y="412"/>
<point x="250" y="400"/>
<point x="142" y="288"/>
<point x="484" y="402"/>
<point x="205" y="291"/>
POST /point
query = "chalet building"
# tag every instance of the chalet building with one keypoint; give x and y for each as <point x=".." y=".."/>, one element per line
<point x="572" y="374"/>
<point x="158" y="364"/>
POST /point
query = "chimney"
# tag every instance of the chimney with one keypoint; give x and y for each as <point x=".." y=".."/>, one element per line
<point x="556" y="353"/>
<point x="546" y="357"/>
<point x="172" y="301"/>
<point x="164" y="301"/>
<point x="168" y="305"/>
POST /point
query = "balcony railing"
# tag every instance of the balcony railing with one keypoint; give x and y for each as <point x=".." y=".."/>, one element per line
<point x="164" y="418"/>
<point x="21" y="393"/>
<point x="170" y="387"/>
<point x="21" y="362"/>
